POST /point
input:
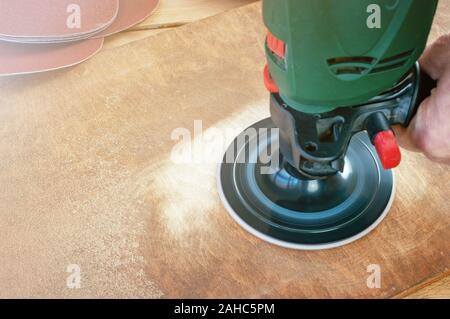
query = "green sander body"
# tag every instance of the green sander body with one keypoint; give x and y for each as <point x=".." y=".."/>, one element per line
<point x="342" y="53"/>
<point x="340" y="74"/>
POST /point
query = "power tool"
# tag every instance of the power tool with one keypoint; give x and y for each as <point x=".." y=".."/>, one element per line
<point x="340" y="73"/>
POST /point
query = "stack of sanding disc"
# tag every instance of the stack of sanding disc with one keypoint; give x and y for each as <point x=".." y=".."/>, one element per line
<point x="37" y="36"/>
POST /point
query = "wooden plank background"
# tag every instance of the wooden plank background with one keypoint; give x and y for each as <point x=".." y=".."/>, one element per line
<point x="174" y="13"/>
<point x="87" y="178"/>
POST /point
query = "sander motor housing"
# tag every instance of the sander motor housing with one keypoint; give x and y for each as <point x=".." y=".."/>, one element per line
<point x="339" y="67"/>
<point x="324" y="54"/>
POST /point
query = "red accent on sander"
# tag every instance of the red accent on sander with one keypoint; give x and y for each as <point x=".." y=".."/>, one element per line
<point x="387" y="149"/>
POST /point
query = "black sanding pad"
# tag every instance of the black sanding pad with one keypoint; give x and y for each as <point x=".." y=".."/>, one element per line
<point x="278" y="205"/>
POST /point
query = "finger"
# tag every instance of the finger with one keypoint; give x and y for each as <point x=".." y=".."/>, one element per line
<point x="430" y="131"/>
<point x="404" y="138"/>
<point x="436" y="58"/>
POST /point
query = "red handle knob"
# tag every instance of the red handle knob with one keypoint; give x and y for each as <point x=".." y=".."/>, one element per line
<point x="269" y="82"/>
<point x="275" y="45"/>
<point x="387" y="149"/>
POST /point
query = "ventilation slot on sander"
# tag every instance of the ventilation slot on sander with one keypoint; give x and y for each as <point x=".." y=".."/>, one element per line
<point x="360" y="65"/>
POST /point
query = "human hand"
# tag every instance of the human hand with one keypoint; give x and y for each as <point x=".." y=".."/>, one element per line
<point x="429" y="131"/>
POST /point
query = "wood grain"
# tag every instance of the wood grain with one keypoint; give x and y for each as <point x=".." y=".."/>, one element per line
<point x="437" y="290"/>
<point x="88" y="178"/>
<point x="434" y="288"/>
<point x="170" y="14"/>
<point x="126" y="37"/>
<point x="173" y="13"/>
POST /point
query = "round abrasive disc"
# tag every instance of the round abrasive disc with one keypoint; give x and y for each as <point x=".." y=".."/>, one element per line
<point x="19" y="58"/>
<point x="54" y="20"/>
<point x="275" y="203"/>
<point x="131" y="12"/>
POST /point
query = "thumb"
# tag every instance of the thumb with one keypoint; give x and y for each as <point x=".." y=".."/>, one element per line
<point x="404" y="137"/>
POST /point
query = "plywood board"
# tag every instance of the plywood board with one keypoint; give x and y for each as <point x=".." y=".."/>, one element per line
<point x="435" y="288"/>
<point x="173" y="13"/>
<point x="87" y="177"/>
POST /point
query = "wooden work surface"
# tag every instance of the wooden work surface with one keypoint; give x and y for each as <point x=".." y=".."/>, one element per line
<point x="171" y="14"/>
<point x="87" y="178"/>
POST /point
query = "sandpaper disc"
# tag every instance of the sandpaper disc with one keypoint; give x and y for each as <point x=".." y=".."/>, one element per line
<point x="131" y="12"/>
<point x="20" y="58"/>
<point x="289" y="210"/>
<point x="48" y="21"/>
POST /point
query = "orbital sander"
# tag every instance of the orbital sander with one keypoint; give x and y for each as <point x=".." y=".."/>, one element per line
<point x="318" y="173"/>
